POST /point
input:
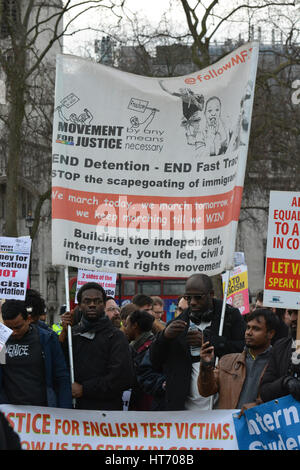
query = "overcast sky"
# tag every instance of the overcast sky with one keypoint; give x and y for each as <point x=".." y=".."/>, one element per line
<point x="98" y="22"/>
<point x="152" y="10"/>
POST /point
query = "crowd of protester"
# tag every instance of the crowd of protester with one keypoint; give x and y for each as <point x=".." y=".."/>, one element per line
<point x="128" y="358"/>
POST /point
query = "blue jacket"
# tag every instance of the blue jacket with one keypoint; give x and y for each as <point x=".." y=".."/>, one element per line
<point x="58" y="382"/>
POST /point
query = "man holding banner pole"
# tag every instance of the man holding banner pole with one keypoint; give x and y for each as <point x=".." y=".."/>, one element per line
<point x="70" y="346"/>
<point x="100" y="352"/>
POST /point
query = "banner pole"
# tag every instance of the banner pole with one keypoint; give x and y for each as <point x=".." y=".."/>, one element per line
<point x="69" y="328"/>
<point x="227" y="277"/>
<point x="298" y="332"/>
<point x="120" y="290"/>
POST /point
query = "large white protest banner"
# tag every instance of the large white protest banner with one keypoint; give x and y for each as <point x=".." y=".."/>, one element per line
<point x="282" y="274"/>
<point x="148" y="173"/>
<point x="14" y="266"/>
<point x="62" y="429"/>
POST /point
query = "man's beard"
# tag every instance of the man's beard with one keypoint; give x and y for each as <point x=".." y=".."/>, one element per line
<point x="116" y="322"/>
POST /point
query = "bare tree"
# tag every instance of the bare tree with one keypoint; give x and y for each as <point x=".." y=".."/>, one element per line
<point x="205" y="21"/>
<point x="29" y="29"/>
<point x="275" y="131"/>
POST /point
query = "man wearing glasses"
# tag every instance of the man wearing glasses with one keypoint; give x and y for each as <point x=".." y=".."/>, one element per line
<point x="101" y="355"/>
<point x="177" y="348"/>
<point x="112" y="311"/>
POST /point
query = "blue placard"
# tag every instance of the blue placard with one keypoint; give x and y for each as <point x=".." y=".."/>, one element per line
<point x="271" y="426"/>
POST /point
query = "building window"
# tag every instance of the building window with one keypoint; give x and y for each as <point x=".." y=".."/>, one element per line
<point x="174" y="287"/>
<point x="25" y="203"/>
<point x="129" y="287"/>
<point x="149" y="287"/>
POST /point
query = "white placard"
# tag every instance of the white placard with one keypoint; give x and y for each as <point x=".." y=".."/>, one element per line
<point x="14" y="267"/>
<point x="5" y="333"/>
<point x="106" y="280"/>
<point x="282" y="275"/>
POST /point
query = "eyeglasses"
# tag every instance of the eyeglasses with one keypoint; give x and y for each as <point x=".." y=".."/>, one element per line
<point x="89" y="301"/>
<point x="112" y="309"/>
<point x="149" y="309"/>
<point x="198" y="297"/>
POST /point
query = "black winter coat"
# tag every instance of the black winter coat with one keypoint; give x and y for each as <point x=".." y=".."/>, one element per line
<point x="271" y="383"/>
<point x="174" y="357"/>
<point x="103" y="366"/>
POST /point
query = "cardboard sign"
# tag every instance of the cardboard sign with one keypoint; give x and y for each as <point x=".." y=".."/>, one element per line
<point x="106" y="280"/>
<point x="14" y="266"/>
<point x="282" y="274"/>
<point x="238" y="293"/>
<point x="5" y="333"/>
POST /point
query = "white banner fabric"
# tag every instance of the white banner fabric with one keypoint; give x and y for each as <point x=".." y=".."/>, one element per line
<point x="148" y="173"/>
<point x="62" y="429"/>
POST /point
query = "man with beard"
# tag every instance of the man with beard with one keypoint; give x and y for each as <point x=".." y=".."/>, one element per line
<point x="102" y="361"/>
<point x="282" y="376"/>
<point x="112" y="311"/>
<point x="237" y="376"/>
<point x="176" y="350"/>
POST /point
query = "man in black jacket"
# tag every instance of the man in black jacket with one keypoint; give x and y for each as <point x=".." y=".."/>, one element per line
<point x="282" y="376"/>
<point x="102" y="361"/>
<point x="177" y="348"/>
